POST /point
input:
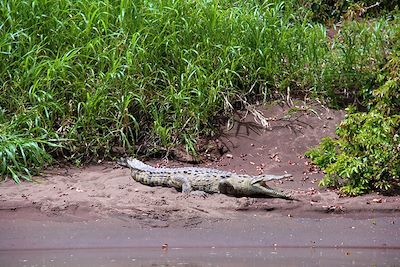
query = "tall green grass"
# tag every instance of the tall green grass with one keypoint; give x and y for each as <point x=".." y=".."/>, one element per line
<point x="101" y="77"/>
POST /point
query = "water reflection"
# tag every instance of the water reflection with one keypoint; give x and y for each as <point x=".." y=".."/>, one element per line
<point x="196" y="257"/>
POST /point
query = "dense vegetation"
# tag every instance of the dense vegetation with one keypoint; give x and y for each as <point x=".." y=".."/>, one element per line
<point x="366" y="154"/>
<point x="88" y="79"/>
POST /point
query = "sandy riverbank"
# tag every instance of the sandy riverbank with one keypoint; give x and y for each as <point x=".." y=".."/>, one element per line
<point x="100" y="201"/>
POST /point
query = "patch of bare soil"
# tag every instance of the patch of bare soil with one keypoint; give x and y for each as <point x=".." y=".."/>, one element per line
<point x="278" y="147"/>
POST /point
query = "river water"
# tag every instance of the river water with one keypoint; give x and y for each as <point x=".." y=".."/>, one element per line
<point x="192" y="257"/>
<point x="248" y="241"/>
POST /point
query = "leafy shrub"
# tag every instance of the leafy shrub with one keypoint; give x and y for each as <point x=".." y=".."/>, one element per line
<point x="365" y="155"/>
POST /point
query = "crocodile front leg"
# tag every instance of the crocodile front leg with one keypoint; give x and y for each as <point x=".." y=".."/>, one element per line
<point x="183" y="182"/>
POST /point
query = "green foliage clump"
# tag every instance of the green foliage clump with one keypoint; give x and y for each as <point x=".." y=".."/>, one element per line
<point x="23" y="154"/>
<point x="366" y="154"/>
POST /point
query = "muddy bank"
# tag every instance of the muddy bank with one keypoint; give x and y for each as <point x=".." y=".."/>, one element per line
<point x="104" y="195"/>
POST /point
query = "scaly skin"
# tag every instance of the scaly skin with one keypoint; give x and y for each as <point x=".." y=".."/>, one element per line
<point x="189" y="179"/>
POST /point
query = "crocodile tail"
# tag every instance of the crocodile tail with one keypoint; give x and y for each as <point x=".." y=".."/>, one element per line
<point x="123" y="162"/>
<point x="138" y="165"/>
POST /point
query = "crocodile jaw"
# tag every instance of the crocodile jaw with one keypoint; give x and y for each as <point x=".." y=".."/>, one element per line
<point x="255" y="187"/>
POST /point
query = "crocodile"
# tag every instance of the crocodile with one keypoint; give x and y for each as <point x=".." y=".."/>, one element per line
<point x="196" y="179"/>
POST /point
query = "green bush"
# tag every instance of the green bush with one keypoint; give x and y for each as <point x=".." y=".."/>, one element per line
<point x="365" y="155"/>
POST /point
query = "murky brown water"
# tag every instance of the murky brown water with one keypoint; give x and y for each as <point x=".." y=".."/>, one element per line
<point x="202" y="257"/>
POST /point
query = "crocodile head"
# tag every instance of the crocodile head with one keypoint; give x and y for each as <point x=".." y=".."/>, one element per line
<point x="254" y="187"/>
